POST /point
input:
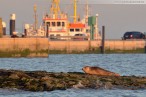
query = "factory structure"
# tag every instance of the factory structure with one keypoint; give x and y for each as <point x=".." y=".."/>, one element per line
<point x="12" y="30"/>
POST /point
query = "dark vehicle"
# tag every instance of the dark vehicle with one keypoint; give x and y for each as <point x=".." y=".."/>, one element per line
<point x="133" y="35"/>
<point x="80" y="37"/>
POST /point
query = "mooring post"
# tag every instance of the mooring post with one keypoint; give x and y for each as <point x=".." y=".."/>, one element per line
<point x="103" y="40"/>
<point x="145" y="48"/>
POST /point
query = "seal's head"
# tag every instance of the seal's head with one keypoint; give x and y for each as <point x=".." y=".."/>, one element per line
<point x="86" y="69"/>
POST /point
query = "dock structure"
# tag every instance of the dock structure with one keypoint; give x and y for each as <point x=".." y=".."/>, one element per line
<point x="24" y="47"/>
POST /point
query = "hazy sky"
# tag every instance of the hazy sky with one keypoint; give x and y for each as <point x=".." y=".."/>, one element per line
<point x="117" y="18"/>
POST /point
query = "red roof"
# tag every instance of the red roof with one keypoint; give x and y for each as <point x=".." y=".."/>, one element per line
<point x="76" y="25"/>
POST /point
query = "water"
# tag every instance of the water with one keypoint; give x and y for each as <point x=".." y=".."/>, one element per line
<point x="124" y="64"/>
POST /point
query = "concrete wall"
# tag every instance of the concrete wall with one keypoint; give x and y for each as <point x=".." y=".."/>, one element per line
<point x="124" y="44"/>
<point x="86" y="45"/>
<point x="69" y="45"/>
<point x="33" y="44"/>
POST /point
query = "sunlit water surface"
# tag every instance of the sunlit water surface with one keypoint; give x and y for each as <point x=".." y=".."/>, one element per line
<point x="124" y="64"/>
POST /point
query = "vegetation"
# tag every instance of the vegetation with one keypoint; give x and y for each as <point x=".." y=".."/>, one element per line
<point x="45" y="53"/>
<point x="97" y="51"/>
<point x="139" y="50"/>
<point x="24" y="53"/>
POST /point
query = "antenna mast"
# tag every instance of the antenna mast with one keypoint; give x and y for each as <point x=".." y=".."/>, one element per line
<point x="87" y="11"/>
<point x="35" y="17"/>
<point x="75" y="11"/>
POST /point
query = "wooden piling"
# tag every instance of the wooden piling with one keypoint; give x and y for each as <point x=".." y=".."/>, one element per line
<point x="103" y="40"/>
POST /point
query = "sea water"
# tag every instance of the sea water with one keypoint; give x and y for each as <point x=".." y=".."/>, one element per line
<point x="124" y="64"/>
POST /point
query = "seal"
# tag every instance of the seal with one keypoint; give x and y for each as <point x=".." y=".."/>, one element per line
<point x="98" y="71"/>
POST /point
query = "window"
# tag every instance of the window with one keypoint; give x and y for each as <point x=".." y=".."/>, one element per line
<point x="87" y="30"/>
<point x="48" y="23"/>
<point x="58" y="24"/>
<point x="77" y="30"/>
<point x="52" y="36"/>
<point x="53" y="24"/>
<point x="71" y="30"/>
<point x="58" y="35"/>
<point x="63" y="24"/>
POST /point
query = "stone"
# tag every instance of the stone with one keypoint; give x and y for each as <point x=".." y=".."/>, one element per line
<point x="14" y="76"/>
<point x="49" y="81"/>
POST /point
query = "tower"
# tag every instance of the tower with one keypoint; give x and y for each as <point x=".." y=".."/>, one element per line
<point x="12" y="23"/>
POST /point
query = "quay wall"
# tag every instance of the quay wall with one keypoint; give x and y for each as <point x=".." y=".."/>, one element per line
<point x="33" y="44"/>
<point x="124" y="44"/>
<point x="86" y="45"/>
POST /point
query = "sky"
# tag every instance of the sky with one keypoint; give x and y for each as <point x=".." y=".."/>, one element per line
<point x="117" y="18"/>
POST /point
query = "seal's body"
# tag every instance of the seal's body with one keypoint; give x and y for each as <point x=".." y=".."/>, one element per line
<point x="98" y="71"/>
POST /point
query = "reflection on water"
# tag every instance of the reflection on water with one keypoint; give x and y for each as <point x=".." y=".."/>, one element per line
<point x="124" y="64"/>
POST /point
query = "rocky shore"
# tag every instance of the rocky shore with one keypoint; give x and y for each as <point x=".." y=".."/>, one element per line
<point x="49" y="81"/>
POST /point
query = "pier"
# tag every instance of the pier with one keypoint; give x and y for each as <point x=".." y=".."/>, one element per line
<point x="110" y="45"/>
<point x="42" y="47"/>
<point x="24" y="47"/>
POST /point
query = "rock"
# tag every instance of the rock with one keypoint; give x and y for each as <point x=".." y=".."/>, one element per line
<point x="79" y="86"/>
<point x="47" y="85"/>
<point x="47" y="81"/>
<point x="108" y="85"/>
<point x="45" y="78"/>
<point x="14" y="76"/>
<point x="99" y="84"/>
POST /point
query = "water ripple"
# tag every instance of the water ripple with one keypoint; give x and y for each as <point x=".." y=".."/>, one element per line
<point x="124" y="64"/>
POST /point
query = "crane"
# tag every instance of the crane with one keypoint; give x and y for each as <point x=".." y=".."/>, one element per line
<point x="55" y="8"/>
